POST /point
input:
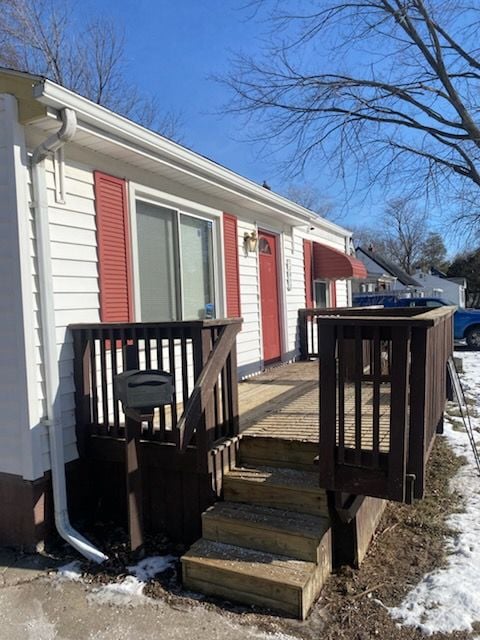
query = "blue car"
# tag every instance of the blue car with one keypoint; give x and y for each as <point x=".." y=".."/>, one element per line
<point x="466" y="322"/>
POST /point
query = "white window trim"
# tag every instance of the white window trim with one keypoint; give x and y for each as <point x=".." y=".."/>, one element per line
<point x="326" y="282"/>
<point x="180" y="206"/>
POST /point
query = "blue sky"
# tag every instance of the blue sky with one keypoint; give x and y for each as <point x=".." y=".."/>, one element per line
<point x="174" y="49"/>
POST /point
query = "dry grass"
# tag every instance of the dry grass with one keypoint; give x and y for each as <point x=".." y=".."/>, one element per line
<point x="409" y="543"/>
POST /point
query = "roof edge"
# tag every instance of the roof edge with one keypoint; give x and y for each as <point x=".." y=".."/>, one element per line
<point x="391" y="268"/>
<point x="53" y="95"/>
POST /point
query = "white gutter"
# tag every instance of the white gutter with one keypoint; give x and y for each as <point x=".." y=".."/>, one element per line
<point x="49" y="342"/>
<point x="102" y="122"/>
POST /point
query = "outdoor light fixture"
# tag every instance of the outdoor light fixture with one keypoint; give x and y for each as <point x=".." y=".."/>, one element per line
<point x="250" y="241"/>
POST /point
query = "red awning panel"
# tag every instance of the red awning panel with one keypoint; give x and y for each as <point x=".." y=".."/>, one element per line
<point x="332" y="264"/>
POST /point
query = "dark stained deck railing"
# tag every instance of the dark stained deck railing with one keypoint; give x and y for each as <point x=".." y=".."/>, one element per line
<point x="397" y="358"/>
<point x="162" y="473"/>
<point x="204" y="408"/>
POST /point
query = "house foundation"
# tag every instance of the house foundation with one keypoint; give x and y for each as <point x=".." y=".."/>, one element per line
<point x="26" y="511"/>
<point x="27" y="519"/>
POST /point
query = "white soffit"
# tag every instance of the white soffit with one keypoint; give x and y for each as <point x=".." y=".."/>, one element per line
<point x="108" y="133"/>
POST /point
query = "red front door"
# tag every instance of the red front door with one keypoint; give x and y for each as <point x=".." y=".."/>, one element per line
<point x="267" y="249"/>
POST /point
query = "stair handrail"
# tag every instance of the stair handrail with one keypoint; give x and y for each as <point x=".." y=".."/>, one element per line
<point x="204" y="386"/>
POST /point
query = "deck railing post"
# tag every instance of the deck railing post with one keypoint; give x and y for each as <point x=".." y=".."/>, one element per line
<point x="303" y="334"/>
<point x="208" y="421"/>
<point x="327" y="404"/>
<point x="418" y="376"/>
<point x="199" y="359"/>
<point x="397" y="459"/>
<point x="133" y="467"/>
<point x="81" y="375"/>
<point x="232" y="391"/>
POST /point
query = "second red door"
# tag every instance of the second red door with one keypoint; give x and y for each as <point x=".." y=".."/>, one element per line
<point x="267" y="249"/>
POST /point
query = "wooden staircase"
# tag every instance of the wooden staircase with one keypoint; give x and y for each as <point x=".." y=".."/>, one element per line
<point x="269" y="543"/>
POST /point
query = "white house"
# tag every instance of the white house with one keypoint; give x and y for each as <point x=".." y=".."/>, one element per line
<point x="382" y="275"/>
<point x="104" y="221"/>
<point x="453" y="290"/>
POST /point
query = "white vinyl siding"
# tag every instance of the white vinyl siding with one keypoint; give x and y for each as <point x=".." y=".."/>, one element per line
<point x="249" y="353"/>
<point x="19" y="427"/>
<point x="75" y="282"/>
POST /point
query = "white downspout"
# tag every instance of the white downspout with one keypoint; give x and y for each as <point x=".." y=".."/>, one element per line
<point x="49" y="342"/>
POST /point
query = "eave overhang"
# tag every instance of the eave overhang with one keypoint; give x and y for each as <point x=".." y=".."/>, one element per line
<point x="158" y="154"/>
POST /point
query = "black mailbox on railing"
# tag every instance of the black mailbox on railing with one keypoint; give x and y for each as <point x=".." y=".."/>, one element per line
<point x="142" y="391"/>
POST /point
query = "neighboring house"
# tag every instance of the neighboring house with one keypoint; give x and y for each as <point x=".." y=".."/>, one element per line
<point x="105" y="221"/>
<point x="382" y="275"/>
<point x="437" y="284"/>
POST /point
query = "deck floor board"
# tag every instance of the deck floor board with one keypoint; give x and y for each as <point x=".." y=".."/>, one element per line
<point x="283" y="403"/>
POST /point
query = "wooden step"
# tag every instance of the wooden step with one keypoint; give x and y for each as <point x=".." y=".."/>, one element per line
<point x="253" y="577"/>
<point x="276" y="487"/>
<point x="274" y="452"/>
<point x="298" y="535"/>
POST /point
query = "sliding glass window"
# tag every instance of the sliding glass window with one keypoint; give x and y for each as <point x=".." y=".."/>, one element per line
<point x="175" y="264"/>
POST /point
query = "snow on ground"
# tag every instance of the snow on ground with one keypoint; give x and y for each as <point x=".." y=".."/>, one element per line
<point x="148" y="568"/>
<point x="129" y="591"/>
<point x="125" y="592"/>
<point x="70" y="571"/>
<point x="448" y="599"/>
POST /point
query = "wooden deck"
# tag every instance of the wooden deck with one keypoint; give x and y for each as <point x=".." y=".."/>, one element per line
<point x="283" y="403"/>
<point x="375" y="410"/>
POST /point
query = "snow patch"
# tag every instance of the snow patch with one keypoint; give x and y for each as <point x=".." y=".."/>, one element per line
<point x="128" y="592"/>
<point x="150" y="567"/>
<point x="448" y="599"/>
<point x="70" y="571"/>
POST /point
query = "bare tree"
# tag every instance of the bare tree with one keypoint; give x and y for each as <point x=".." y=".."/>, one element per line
<point x="311" y="198"/>
<point x="434" y="254"/>
<point x="369" y="238"/>
<point x="403" y="237"/>
<point x="392" y="85"/>
<point x="404" y="233"/>
<point x="44" y="38"/>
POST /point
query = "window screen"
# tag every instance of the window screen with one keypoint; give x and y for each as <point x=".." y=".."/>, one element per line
<point x="156" y="262"/>
<point x="197" y="268"/>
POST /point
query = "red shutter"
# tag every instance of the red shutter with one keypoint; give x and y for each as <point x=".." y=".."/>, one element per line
<point x="307" y="257"/>
<point x="113" y="238"/>
<point x="333" y="293"/>
<point x="232" y="274"/>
